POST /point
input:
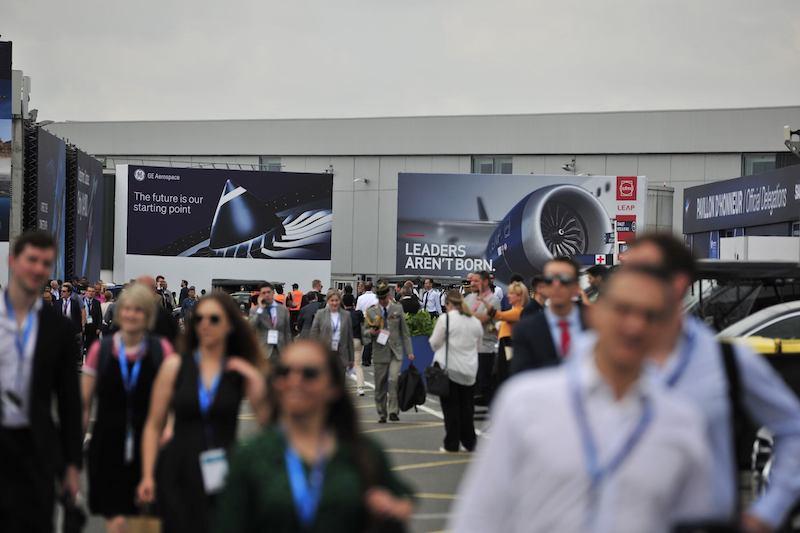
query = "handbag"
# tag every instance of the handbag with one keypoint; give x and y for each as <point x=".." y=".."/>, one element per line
<point x="436" y="377"/>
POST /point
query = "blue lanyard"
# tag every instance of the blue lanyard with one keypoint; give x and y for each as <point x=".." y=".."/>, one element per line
<point x="683" y="358"/>
<point x="335" y="324"/>
<point x="205" y="397"/>
<point x="597" y="471"/>
<point x="306" y="493"/>
<point x="129" y="378"/>
<point x="20" y="338"/>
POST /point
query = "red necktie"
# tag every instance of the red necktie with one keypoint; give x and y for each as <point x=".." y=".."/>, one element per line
<point x="565" y="337"/>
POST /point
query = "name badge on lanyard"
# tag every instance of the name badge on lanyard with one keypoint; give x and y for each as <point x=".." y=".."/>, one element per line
<point x="306" y="492"/>
<point x="383" y="337"/>
<point x="334" y="340"/>
<point x="129" y="380"/>
<point x="599" y="472"/>
<point x="272" y="336"/>
<point x="213" y="462"/>
<point x="89" y="319"/>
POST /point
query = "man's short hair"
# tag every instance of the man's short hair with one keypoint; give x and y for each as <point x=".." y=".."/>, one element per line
<point x="676" y="258"/>
<point x="426" y="280"/>
<point x="566" y="261"/>
<point x="316" y="282"/>
<point x="37" y="239"/>
<point x="536" y="280"/>
<point x="265" y="285"/>
<point x="348" y="289"/>
<point x="367" y="285"/>
<point x="311" y="296"/>
<point x="484" y="275"/>
<point x="598" y="271"/>
<point x="160" y="277"/>
<point x="516" y="277"/>
<point x="295" y="286"/>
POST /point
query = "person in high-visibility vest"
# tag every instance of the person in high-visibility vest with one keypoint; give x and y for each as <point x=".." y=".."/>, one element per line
<point x="294" y="302"/>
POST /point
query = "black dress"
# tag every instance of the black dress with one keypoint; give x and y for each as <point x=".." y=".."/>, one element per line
<point x="182" y="501"/>
<point x="112" y="481"/>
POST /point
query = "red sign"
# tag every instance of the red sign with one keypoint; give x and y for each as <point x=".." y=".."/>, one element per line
<point x="626" y="227"/>
<point x="626" y="188"/>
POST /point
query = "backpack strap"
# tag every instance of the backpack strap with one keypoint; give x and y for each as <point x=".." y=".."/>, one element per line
<point x="738" y="414"/>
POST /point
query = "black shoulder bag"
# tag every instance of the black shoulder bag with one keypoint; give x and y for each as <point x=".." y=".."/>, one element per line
<point x="436" y="377"/>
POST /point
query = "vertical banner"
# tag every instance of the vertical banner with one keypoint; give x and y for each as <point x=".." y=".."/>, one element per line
<point x="51" y="192"/>
<point x="452" y="224"/>
<point x="5" y="139"/>
<point x="88" y="217"/>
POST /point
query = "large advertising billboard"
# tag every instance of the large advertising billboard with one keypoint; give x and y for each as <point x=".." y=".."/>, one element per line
<point x="189" y="212"/>
<point x="453" y="224"/>
<point x="760" y="200"/>
<point x="88" y="217"/>
<point x="51" y="192"/>
<point x="5" y="138"/>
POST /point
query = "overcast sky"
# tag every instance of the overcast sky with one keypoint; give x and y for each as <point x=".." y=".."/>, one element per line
<point x="178" y="59"/>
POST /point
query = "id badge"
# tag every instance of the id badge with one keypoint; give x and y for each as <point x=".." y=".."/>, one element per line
<point x="89" y="319"/>
<point x="335" y="346"/>
<point x="260" y="310"/>
<point x="214" y="467"/>
<point x="272" y="336"/>
<point x="129" y="446"/>
<point x="383" y="337"/>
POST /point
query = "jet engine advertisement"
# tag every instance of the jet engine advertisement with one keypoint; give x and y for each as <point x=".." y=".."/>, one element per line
<point x="453" y="224"/>
<point x="88" y="217"/>
<point x="190" y="212"/>
<point x="5" y="138"/>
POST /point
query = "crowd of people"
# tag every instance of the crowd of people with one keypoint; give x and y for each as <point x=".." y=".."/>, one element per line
<point x="610" y="410"/>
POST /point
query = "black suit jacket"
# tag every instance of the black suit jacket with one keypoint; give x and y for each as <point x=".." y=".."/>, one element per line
<point x="306" y="317"/>
<point x="531" y="309"/>
<point x="96" y="313"/>
<point x="75" y="312"/>
<point x="534" y="346"/>
<point x="55" y="376"/>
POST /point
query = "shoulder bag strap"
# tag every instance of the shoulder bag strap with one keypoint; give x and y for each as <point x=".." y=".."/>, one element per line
<point x="737" y="411"/>
<point x="446" y="338"/>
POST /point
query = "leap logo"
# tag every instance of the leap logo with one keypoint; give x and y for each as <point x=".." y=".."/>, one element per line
<point x="138" y="174"/>
<point x="626" y="188"/>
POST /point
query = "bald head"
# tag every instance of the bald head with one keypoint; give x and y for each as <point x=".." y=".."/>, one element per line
<point x="147" y="281"/>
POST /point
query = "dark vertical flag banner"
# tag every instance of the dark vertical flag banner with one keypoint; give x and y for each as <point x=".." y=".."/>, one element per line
<point x="5" y="138"/>
<point x="86" y="176"/>
<point x="51" y="192"/>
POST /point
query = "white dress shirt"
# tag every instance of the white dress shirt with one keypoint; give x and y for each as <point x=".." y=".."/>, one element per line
<point x="365" y="301"/>
<point x="336" y="327"/>
<point x="466" y="333"/>
<point x="431" y="301"/>
<point x="498" y="293"/>
<point x="16" y="416"/>
<point x="531" y="475"/>
<point x="573" y="325"/>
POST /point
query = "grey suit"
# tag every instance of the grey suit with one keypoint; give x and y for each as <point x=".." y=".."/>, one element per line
<point x="322" y="330"/>
<point x="387" y="358"/>
<point x="262" y="323"/>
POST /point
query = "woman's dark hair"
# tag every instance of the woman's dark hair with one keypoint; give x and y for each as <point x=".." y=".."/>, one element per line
<point x="241" y="341"/>
<point x="342" y="418"/>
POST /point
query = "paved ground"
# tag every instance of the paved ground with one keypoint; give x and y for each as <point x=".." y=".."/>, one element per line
<point x="413" y="445"/>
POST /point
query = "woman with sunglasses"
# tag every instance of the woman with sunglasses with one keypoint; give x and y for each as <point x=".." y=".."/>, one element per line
<point x="203" y="388"/>
<point x="118" y="376"/>
<point x="333" y="328"/>
<point x="311" y="470"/>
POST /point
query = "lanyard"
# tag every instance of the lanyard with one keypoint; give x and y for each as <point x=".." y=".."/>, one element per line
<point x="306" y="493"/>
<point x="21" y="337"/>
<point x="129" y="377"/>
<point x="683" y="358"/>
<point x="273" y="315"/>
<point x="335" y="323"/>
<point x="597" y="471"/>
<point x="205" y="396"/>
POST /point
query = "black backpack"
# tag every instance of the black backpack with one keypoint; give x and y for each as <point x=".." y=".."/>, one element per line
<point x="410" y="389"/>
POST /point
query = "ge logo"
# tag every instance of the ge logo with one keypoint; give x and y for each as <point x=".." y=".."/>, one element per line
<point x="626" y="187"/>
<point x="138" y="174"/>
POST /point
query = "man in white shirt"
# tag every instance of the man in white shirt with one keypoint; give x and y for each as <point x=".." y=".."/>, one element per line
<point x="592" y="445"/>
<point x="479" y="302"/>
<point x="431" y="300"/>
<point x="367" y="299"/>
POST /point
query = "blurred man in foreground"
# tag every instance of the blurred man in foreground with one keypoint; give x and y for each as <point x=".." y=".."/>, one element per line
<point x="592" y="445"/>
<point x="692" y="362"/>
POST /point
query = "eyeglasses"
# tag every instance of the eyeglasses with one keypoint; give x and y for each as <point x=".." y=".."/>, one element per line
<point x="308" y="373"/>
<point x="214" y="319"/>
<point x="561" y="278"/>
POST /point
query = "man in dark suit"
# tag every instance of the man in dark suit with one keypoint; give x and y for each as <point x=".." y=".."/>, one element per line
<point x="94" y="318"/>
<point x="306" y="315"/>
<point x="545" y="338"/>
<point x="71" y="307"/>
<point x="538" y="288"/>
<point x="37" y="372"/>
<point x="165" y="325"/>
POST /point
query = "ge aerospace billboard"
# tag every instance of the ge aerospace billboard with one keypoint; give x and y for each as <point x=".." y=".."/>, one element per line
<point x="51" y="192"/>
<point x="5" y="138"/>
<point x="88" y="217"/>
<point x="452" y="224"/>
<point x="189" y="212"/>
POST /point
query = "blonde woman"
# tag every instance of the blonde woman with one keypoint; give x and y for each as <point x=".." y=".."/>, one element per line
<point x="119" y="373"/>
<point x="333" y="328"/>
<point x="455" y="340"/>
<point x="518" y="297"/>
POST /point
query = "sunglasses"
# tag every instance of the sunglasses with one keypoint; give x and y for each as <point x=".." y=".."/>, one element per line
<point x="308" y="373"/>
<point x="561" y="278"/>
<point x="214" y="319"/>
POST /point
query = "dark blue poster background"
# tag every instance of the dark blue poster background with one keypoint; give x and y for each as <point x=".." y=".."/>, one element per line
<point x="5" y="138"/>
<point x="88" y="217"/>
<point x="191" y="212"/>
<point x="51" y="205"/>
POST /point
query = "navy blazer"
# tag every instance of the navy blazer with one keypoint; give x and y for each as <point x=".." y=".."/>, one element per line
<point x="533" y="343"/>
